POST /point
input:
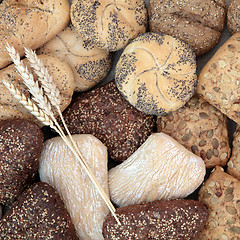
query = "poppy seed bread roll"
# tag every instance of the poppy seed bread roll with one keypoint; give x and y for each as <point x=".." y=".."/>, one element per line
<point x="109" y="25"/>
<point x="156" y="73"/>
<point x="28" y="23"/>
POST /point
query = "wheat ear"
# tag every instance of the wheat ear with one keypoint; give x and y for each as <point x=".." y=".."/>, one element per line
<point x="45" y="106"/>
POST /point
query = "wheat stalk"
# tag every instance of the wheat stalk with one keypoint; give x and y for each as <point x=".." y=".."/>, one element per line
<point x="54" y="97"/>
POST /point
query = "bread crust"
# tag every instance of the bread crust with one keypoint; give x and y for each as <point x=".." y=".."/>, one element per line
<point x="30" y="23"/>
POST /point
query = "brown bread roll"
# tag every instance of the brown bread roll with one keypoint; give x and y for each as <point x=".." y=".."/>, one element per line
<point x="198" y="22"/>
<point x="233" y="16"/>
<point x="156" y="73"/>
<point x="88" y="63"/>
<point x="201" y="128"/>
<point x="109" y="25"/>
<point x="30" y="23"/>
<point x="39" y="213"/>
<point x="61" y="73"/>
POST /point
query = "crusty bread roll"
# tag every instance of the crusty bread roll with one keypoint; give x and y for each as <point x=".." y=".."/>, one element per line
<point x="198" y="22"/>
<point x="233" y="16"/>
<point x="156" y="73"/>
<point x="109" y="25"/>
<point x="62" y="76"/>
<point x="30" y="23"/>
<point x="88" y="63"/>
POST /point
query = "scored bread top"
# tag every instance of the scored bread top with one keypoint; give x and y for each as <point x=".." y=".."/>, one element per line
<point x="156" y="73"/>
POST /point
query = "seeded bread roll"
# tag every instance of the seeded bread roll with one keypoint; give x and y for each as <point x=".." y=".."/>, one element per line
<point x="218" y="82"/>
<point x="156" y="73"/>
<point x="39" y="213"/>
<point x="62" y="76"/>
<point x="234" y="162"/>
<point x="233" y="16"/>
<point x="201" y="128"/>
<point x="30" y="23"/>
<point x="88" y="63"/>
<point x="104" y="113"/>
<point x="198" y="22"/>
<point x="221" y="194"/>
<point x="109" y="25"/>
<point x="165" y="219"/>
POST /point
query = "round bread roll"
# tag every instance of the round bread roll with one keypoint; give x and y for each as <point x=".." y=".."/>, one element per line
<point x="233" y="16"/>
<point x="198" y="22"/>
<point x="88" y="63"/>
<point x="30" y="23"/>
<point x="109" y="25"/>
<point x="61" y="73"/>
<point x="156" y="73"/>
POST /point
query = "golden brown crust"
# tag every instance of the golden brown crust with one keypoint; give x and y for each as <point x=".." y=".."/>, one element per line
<point x="156" y="73"/>
<point x="109" y="25"/>
<point x="218" y="82"/>
<point x="233" y="16"/>
<point x="88" y="63"/>
<point x="28" y="23"/>
<point x="198" y="22"/>
<point x="201" y="128"/>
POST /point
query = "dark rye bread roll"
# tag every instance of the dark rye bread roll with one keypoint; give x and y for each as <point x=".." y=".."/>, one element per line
<point x="30" y="23"/>
<point x="198" y="22"/>
<point x="39" y="213"/>
<point x="21" y="144"/>
<point x="233" y="16"/>
<point x="156" y="73"/>
<point x="165" y="219"/>
<point x="104" y="113"/>
<point x="109" y="25"/>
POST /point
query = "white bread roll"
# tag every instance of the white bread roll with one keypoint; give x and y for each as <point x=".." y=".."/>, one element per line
<point x="109" y="25"/>
<point x="30" y="23"/>
<point x="88" y="63"/>
<point x="156" y="73"/>
<point x="61" y="73"/>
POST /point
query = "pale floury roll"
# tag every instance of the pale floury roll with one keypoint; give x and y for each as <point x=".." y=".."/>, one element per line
<point x="60" y="168"/>
<point x="157" y="73"/>
<point x="109" y="25"/>
<point x="160" y="169"/>
<point x="88" y="63"/>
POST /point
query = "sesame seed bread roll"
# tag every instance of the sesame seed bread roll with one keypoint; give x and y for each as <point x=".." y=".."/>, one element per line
<point x="88" y="63"/>
<point x="200" y="23"/>
<point x="109" y="25"/>
<point x="233" y="16"/>
<point x="30" y="23"/>
<point x="61" y="73"/>
<point x="156" y="73"/>
<point x="218" y="82"/>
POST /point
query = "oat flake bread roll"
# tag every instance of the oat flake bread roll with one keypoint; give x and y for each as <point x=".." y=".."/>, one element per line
<point x="88" y="63"/>
<point x="218" y="82"/>
<point x="62" y="76"/>
<point x="198" y="22"/>
<point x="156" y="73"/>
<point x="109" y="25"/>
<point x="30" y="23"/>
<point x="233" y="16"/>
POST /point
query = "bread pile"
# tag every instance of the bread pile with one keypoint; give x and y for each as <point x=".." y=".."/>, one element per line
<point x="154" y="123"/>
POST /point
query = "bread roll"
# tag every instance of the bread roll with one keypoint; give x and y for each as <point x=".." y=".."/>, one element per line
<point x="30" y="23"/>
<point x="109" y="25"/>
<point x="198" y="22"/>
<point x="88" y="63"/>
<point x="233" y="16"/>
<point x="62" y="76"/>
<point x="156" y="73"/>
<point x="218" y="82"/>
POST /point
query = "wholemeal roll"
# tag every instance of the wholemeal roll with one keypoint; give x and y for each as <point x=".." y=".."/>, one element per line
<point x="200" y="23"/>
<point x="28" y="23"/>
<point x="88" y="63"/>
<point x="233" y="16"/>
<point x="109" y="25"/>
<point x="156" y="73"/>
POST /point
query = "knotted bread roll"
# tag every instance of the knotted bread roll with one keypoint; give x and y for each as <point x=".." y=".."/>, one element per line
<point x="30" y="23"/>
